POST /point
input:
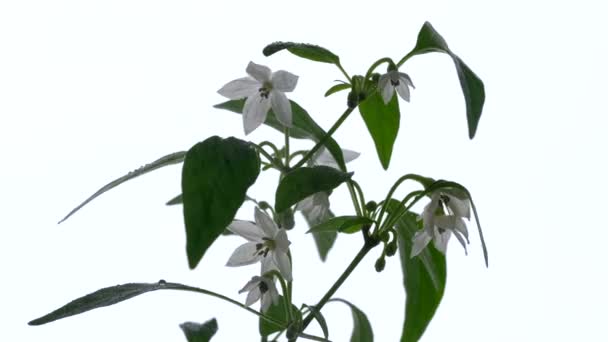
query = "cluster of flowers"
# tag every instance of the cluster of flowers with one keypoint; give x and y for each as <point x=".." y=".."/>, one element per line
<point x="267" y="243"/>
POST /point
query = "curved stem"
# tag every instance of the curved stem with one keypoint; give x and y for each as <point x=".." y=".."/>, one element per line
<point x="389" y="195"/>
<point x="175" y="286"/>
<point x="274" y="162"/>
<point x="353" y="264"/>
<point x="360" y="193"/>
<point x="375" y="65"/>
<point x="323" y="140"/>
<point x="405" y="58"/>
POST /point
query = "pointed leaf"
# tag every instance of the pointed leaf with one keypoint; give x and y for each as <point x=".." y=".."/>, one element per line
<point x="336" y="88"/>
<point x="323" y="241"/>
<point x="305" y="181"/>
<point x="216" y="175"/>
<point x="345" y="224"/>
<point x="109" y="296"/>
<point x="424" y="277"/>
<point x="382" y="121"/>
<point x="304" y="127"/>
<point x="308" y="51"/>
<point x="196" y="332"/>
<point x="169" y="159"/>
<point x="473" y="90"/>
<point x="362" y="329"/>
<point x="176" y="200"/>
<point x="276" y="312"/>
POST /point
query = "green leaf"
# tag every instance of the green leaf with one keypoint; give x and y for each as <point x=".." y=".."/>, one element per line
<point x="277" y="312"/>
<point x="305" y="181"/>
<point x="473" y="90"/>
<point x="196" y="332"/>
<point x="336" y="88"/>
<point x="308" y="51"/>
<point x="424" y="277"/>
<point x="362" y="329"/>
<point x="304" y="127"/>
<point x="109" y="296"/>
<point x="345" y="224"/>
<point x="169" y="159"/>
<point x="176" y="200"/>
<point x="319" y="318"/>
<point x="323" y="241"/>
<point x="216" y="175"/>
<point x="382" y="121"/>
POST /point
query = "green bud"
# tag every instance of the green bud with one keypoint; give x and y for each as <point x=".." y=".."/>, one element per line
<point x="371" y="206"/>
<point x="264" y="205"/>
<point x="391" y="248"/>
<point x="285" y="219"/>
<point x="380" y="263"/>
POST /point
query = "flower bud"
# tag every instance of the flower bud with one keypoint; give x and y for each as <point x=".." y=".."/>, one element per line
<point x="285" y="219"/>
<point x="391" y="248"/>
<point x="264" y="205"/>
<point x="371" y="205"/>
<point x="380" y="263"/>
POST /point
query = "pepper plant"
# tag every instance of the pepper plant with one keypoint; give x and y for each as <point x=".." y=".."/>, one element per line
<point x="218" y="172"/>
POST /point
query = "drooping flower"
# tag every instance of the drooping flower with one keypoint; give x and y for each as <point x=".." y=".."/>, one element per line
<point x="266" y="243"/>
<point x="395" y="80"/>
<point x="441" y="218"/>
<point x="264" y="90"/>
<point x="261" y="288"/>
<point x="316" y="206"/>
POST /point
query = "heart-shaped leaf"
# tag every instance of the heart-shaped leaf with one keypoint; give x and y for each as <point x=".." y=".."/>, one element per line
<point x="362" y="329"/>
<point x="473" y="90"/>
<point x="303" y="127"/>
<point x="382" y="121"/>
<point x="169" y="159"/>
<point x="308" y="51"/>
<point x="305" y="181"/>
<point x="216" y="175"/>
<point x="196" y="332"/>
<point x="424" y="277"/>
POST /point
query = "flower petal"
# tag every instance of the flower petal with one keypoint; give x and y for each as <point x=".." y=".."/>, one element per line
<point x="246" y="229"/>
<point x="253" y="296"/>
<point x="460" y="207"/>
<point x="350" y="155"/>
<point x="254" y="112"/>
<point x="403" y="77"/>
<point x="239" y="88"/>
<point x="265" y="223"/>
<point x="440" y="239"/>
<point x="245" y="254"/>
<point x="259" y="72"/>
<point x="265" y="303"/>
<point x="387" y="91"/>
<point x="284" y="264"/>
<point x="281" y="241"/>
<point x="281" y="107"/>
<point x="419" y="242"/>
<point x="462" y="242"/>
<point x="254" y="282"/>
<point x="305" y="204"/>
<point x="403" y="91"/>
<point x="268" y="265"/>
<point x="284" y="81"/>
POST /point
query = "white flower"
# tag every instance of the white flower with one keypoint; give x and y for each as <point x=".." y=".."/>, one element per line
<point x="316" y="206"/>
<point x="261" y="288"/>
<point x="395" y="80"/>
<point x="267" y="243"/>
<point x="263" y="90"/>
<point x="439" y="226"/>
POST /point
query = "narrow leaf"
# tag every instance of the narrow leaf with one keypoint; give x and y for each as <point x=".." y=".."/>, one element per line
<point x="347" y="224"/>
<point x="169" y="159"/>
<point x="424" y="277"/>
<point x="473" y="90"/>
<point x="319" y="318"/>
<point x="382" y="121"/>
<point x="276" y="312"/>
<point x="304" y="127"/>
<point x="308" y="51"/>
<point x="196" y="332"/>
<point x="176" y="200"/>
<point x="362" y="329"/>
<point x="305" y="181"/>
<point x="109" y="296"/>
<point x="216" y="175"/>
<point x="336" y="88"/>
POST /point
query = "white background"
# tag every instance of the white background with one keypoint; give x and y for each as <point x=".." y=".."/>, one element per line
<point x="91" y="90"/>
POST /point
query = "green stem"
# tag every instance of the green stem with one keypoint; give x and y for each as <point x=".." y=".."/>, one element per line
<point x="312" y="337"/>
<point x="353" y="264"/>
<point x="360" y="193"/>
<point x="287" y="147"/>
<point x="375" y="65"/>
<point x="274" y="162"/>
<point x="353" y="197"/>
<point x="344" y="72"/>
<point x="405" y="58"/>
<point x="323" y="140"/>
<point x="175" y="286"/>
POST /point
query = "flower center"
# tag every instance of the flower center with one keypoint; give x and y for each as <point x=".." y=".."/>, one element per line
<point x="395" y="83"/>
<point x="263" y="287"/>
<point x="265" y="89"/>
<point x="264" y="247"/>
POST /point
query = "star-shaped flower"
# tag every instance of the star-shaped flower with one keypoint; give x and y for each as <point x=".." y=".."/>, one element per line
<point x="261" y="288"/>
<point x="263" y="90"/>
<point x="267" y="244"/>
<point x="442" y="217"/>
<point x="395" y="80"/>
